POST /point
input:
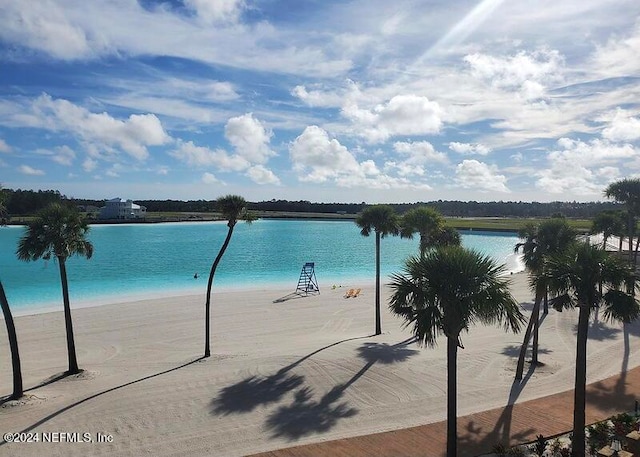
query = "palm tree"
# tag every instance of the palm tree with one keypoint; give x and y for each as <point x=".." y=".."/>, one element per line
<point x="447" y="236"/>
<point x="609" y="223"/>
<point x="383" y="221"/>
<point x="443" y="293"/>
<point x="627" y="191"/>
<point x="575" y="278"/>
<point x="11" y="329"/>
<point x="540" y="241"/>
<point x="425" y="221"/>
<point x="58" y="231"/>
<point x="232" y="208"/>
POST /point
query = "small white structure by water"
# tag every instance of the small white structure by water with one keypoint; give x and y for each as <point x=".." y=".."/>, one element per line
<point x="117" y="208"/>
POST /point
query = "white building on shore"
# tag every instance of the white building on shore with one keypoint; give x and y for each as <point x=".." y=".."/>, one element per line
<point x="117" y="208"/>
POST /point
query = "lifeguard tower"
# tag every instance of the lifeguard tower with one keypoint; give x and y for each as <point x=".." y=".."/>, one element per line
<point x="307" y="283"/>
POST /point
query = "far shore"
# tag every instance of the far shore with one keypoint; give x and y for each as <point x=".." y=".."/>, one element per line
<point x="281" y="373"/>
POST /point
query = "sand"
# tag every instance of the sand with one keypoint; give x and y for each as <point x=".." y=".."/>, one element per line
<point x="280" y="374"/>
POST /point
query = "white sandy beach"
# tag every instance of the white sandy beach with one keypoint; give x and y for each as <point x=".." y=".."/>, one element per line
<point x="281" y="374"/>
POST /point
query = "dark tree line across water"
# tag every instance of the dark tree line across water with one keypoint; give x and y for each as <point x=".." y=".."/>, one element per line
<point x="26" y="202"/>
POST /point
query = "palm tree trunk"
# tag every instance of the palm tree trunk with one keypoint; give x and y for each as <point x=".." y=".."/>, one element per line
<point x="546" y="301"/>
<point x="452" y="397"/>
<point x="579" y="399"/>
<point x="535" y="313"/>
<point x="13" y="345"/>
<point x="207" y="305"/>
<point x="71" y="345"/>
<point x="378" y="323"/>
<point x="535" y="316"/>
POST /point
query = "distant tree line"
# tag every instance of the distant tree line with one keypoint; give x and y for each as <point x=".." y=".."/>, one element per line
<point x="26" y="202"/>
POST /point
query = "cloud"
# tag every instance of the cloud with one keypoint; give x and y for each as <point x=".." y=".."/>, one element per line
<point x="472" y="174"/>
<point x="27" y="170"/>
<point x="209" y="178"/>
<point x="249" y="138"/>
<point x="45" y="26"/>
<point x="526" y="72"/>
<point x="211" y="11"/>
<point x="261" y="175"/>
<point x="98" y="130"/>
<point x="619" y="56"/>
<point x="89" y="165"/>
<point x="4" y="147"/>
<point x="401" y="115"/>
<point x="584" y="168"/>
<point x="200" y="156"/>
<point x="469" y="148"/>
<point x="63" y="155"/>
<point x="622" y="126"/>
<point x="319" y="159"/>
<point x="317" y="97"/>
<point x="415" y="157"/>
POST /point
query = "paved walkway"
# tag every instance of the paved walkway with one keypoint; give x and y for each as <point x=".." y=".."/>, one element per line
<point x="478" y="433"/>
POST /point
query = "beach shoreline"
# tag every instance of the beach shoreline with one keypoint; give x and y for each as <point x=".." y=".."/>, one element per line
<point x="280" y="374"/>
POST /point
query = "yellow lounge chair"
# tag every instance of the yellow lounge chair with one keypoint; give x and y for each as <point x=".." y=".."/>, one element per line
<point x="356" y="293"/>
<point x="349" y="294"/>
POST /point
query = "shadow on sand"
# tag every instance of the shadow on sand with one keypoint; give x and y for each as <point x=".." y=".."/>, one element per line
<point x="248" y="394"/>
<point x="475" y="441"/>
<point x="306" y="416"/>
<point x="96" y="395"/>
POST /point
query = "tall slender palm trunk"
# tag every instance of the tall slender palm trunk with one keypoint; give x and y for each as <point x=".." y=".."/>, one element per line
<point x="207" y="306"/>
<point x="452" y="396"/>
<point x="579" y="399"/>
<point x="378" y="323"/>
<point x="532" y="327"/>
<point x="71" y="345"/>
<point x="13" y="346"/>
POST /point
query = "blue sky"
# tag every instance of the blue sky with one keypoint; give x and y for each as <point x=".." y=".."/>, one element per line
<point x="321" y="100"/>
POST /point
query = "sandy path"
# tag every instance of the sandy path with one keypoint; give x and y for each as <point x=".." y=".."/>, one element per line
<point x="280" y="374"/>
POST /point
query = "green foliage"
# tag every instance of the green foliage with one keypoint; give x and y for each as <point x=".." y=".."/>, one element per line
<point x="599" y="436"/>
<point x="499" y="449"/>
<point x="380" y="219"/>
<point x="540" y="445"/>
<point x="448" y="290"/>
<point x="623" y="424"/>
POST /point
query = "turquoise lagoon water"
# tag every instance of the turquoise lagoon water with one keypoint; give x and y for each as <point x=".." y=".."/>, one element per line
<point x="142" y="261"/>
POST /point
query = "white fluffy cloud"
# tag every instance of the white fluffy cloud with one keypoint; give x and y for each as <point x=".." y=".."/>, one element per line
<point x="209" y="178"/>
<point x="262" y="175"/>
<point x="27" y="170"/>
<point x="472" y="174"/>
<point x="200" y="156"/>
<point x="249" y="138"/>
<point x="583" y="168"/>
<point x="98" y="131"/>
<point x="526" y="72"/>
<point x="623" y="126"/>
<point x="469" y="148"/>
<point x="63" y="155"/>
<point x="216" y="10"/>
<point x="414" y="157"/>
<point x="619" y="56"/>
<point x="318" y="158"/>
<point x="401" y="115"/>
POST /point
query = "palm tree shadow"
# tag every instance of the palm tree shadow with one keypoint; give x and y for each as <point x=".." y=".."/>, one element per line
<point x="248" y="394"/>
<point x="615" y="398"/>
<point x="96" y="395"/>
<point x="474" y="441"/>
<point x="599" y="331"/>
<point x="514" y="351"/>
<point x="305" y="416"/>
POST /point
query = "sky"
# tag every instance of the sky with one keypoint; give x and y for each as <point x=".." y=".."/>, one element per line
<point x="322" y="100"/>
